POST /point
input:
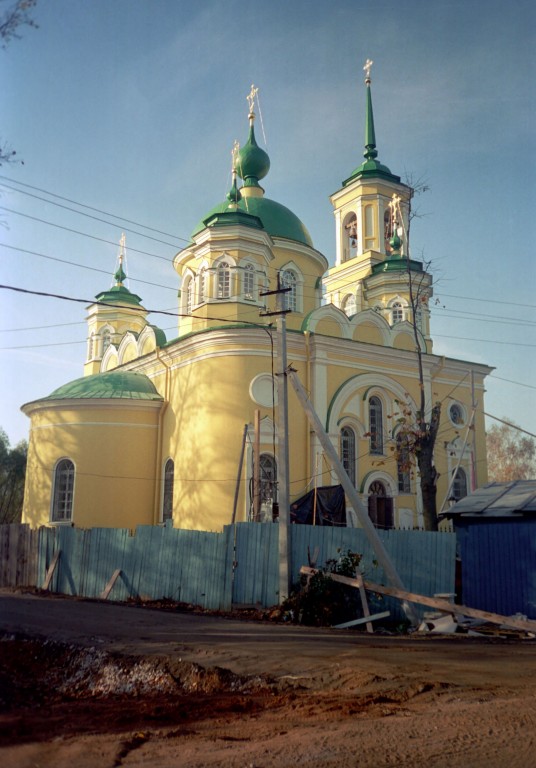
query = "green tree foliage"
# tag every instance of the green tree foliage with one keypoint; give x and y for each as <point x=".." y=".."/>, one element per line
<point x="511" y="454"/>
<point x="319" y="601"/>
<point x="12" y="477"/>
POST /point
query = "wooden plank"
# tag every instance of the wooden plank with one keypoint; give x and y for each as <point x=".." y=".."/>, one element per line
<point x="362" y="620"/>
<point x="110" y="585"/>
<point x="433" y="602"/>
<point x="51" y="569"/>
<point x="364" y="601"/>
<point x="456" y="610"/>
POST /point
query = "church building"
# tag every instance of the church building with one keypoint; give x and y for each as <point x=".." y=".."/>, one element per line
<point x="187" y="430"/>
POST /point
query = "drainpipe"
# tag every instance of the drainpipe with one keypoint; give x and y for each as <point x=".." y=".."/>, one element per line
<point x="158" y="465"/>
<point x="308" y="434"/>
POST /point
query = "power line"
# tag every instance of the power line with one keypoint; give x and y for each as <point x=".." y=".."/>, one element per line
<point x="41" y="327"/>
<point x="83" y="205"/>
<point x="77" y="232"/>
<point x="39" y="346"/>
<point x="484" y="341"/>
<point x="131" y="308"/>
<point x="83" y="266"/>
<point x="509" y="424"/>
<point x="519" y="383"/>
<point x="178" y="237"/>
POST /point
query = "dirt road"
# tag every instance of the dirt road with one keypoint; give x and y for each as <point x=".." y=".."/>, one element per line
<point x="93" y="684"/>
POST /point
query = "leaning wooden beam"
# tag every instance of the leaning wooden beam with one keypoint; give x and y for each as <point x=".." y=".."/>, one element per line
<point x="372" y="534"/>
<point x="51" y="569"/>
<point x="108" y="588"/>
<point x="456" y="610"/>
<point x="433" y="602"/>
<point x="364" y="601"/>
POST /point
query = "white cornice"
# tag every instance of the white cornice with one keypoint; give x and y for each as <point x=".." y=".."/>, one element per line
<point x="111" y="403"/>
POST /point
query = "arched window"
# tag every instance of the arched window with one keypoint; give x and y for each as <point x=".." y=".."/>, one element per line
<point x="106" y="340"/>
<point x="376" y="425"/>
<point x="349" y="238"/>
<point x="62" y="500"/>
<point x="249" y="282"/>
<point x="289" y="279"/>
<point x="224" y="280"/>
<point x="397" y="313"/>
<point x="91" y="347"/>
<point x="380" y="505"/>
<point x="347" y="450"/>
<point x="459" y="486"/>
<point x="403" y="464"/>
<point x="167" y="498"/>
<point x="201" y="288"/>
<point x="268" y="490"/>
<point x="349" y="305"/>
<point x="189" y="296"/>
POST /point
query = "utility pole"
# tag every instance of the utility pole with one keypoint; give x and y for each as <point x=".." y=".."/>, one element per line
<point x="283" y="495"/>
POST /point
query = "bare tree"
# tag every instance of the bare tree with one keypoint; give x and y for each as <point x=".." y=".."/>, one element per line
<point x="419" y="428"/>
<point x="15" y="16"/>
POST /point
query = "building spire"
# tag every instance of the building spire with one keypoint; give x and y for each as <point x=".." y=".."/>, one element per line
<point x="371" y="167"/>
<point x="119" y="274"/>
<point x="234" y="193"/>
<point x="370" y="137"/>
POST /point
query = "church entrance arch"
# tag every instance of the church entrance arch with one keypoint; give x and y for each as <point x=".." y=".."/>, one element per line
<point x="380" y="505"/>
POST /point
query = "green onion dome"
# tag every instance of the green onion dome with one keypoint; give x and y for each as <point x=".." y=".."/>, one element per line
<point x="252" y="162"/>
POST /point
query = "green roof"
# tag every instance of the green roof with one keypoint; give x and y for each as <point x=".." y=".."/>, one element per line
<point x="118" y="293"/>
<point x="397" y="265"/>
<point x="277" y="220"/>
<point x="121" y="385"/>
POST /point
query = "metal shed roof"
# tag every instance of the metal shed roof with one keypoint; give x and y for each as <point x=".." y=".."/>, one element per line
<point x="515" y="499"/>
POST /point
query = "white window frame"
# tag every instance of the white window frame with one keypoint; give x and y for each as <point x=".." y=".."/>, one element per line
<point x="249" y="282"/>
<point x="377" y="439"/>
<point x="348" y="451"/>
<point x="63" y="497"/>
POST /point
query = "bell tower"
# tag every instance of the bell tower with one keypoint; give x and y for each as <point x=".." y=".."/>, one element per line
<point x="114" y="313"/>
<point x="371" y="223"/>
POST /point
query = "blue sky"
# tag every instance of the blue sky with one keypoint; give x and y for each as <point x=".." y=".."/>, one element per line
<point x="131" y="107"/>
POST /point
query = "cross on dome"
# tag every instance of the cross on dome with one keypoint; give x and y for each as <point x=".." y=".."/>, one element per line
<point x="367" y="68"/>
<point x="251" y="98"/>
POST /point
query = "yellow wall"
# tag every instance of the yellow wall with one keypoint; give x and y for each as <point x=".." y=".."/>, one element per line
<point x="113" y="451"/>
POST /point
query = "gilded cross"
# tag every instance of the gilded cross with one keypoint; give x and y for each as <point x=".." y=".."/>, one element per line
<point x="368" y="65"/>
<point x="251" y="97"/>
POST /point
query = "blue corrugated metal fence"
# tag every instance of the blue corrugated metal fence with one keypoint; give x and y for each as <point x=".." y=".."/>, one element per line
<point x="238" y="566"/>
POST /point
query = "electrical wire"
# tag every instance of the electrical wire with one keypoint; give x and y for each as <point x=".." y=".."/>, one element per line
<point x="83" y="205"/>
<point x="83" y="234"/>
<point x="83" y="266"/>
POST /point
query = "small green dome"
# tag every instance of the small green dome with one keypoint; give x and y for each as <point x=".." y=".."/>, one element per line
<point x="123" y="385"/>
<point x="252" y="162"/>
<point x="276" y="219"/>
<point x="118" y="294"/>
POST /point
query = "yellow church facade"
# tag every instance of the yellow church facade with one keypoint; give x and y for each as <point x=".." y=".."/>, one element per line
<point x="188" y="429"/>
